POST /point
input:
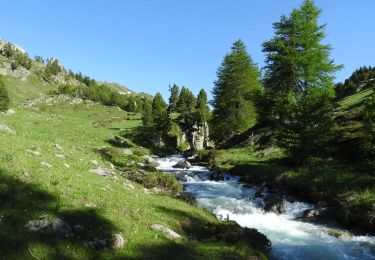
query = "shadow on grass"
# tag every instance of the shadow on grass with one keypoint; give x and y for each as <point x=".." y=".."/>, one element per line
<point x="21" y="202"/>
<point x="211" y="240"/>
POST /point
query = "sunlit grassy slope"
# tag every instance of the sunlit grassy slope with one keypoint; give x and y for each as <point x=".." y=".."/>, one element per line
<point x="29" y="188"/>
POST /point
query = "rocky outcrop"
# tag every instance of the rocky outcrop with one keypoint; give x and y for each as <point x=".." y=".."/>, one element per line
<point x="273" y="203"/>
<point x="167" y="231"/>
<point x="116" y="242"/>
<point x="217" y="174"/>
<point x="103" y="172"/>
<point x="57" y="227"/>
<point x="264" y="188"/>
<point x="5" y="129"/>
<point x="320" y="211"/>
<point x="199" y="137"/>
<point x="182" y="165"/>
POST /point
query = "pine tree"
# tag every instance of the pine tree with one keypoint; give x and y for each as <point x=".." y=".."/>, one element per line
<point x="173" y="99"/>
<point x="233" y="95"/>
<point x="202" y="109"/>
<point x="161" y="121"/>
<point x="186" y="107"/>
<point x="299" y="79"/>
<point x="4" y="99"/>
<point x="147" y="118"/>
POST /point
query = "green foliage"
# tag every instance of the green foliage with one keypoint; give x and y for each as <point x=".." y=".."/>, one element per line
<point x="233" y="94"/>
<point x="166" y="183"/>
<point x="186" y="107"/>
<point x="103" y="94"/>
<point x="160" y="115"/>
<point x="66" y="89"/>
<point x="53" y="68"/>
<point x="4" y="99"/>
<point x="296" y="60"/>
<point x="173" y="99"/>
<point x="308" y="129"/>
<point x="202" y="109"/>
<point x="299" y="79"/>
<point x="362" y="78"/>
<point x="369" y="127"/>
<point x="17" y="58"/>
<point x="147" y="117"/>
<point x="39" y="59"/>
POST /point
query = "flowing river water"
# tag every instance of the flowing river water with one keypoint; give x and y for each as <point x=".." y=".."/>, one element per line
<point x="291" y="238"/>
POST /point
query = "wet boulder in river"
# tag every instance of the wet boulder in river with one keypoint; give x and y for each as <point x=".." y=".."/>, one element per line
<point x="273" y="203"/>
<point x="217" y="174"/>
<point x="182" y="165"/>
<point x="320" y="211"/>
<point x="264" y="188"/>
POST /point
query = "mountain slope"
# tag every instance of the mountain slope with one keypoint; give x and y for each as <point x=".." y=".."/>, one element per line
<point x="54" y="150"/>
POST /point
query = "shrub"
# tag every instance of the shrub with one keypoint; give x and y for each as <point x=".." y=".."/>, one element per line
<point x="166" y="183"/>
<point x="4" y="99"/>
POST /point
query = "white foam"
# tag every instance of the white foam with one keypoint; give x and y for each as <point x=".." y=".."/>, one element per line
<point x="291" y="239"/>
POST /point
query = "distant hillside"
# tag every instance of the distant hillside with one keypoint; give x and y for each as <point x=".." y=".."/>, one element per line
<point x="15" y="64"/>
<point x="30" y="78"/>
<point x="361" y="79"/>
<point x="120" y="88"/>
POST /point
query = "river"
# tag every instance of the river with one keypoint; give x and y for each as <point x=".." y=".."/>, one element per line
<point x="291" y="239"/>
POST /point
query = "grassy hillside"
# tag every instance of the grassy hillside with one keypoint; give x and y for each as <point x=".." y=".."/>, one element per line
<point x="47" y="160"/>
<point x="354" y="101"/>
<point x="343" y="181"/>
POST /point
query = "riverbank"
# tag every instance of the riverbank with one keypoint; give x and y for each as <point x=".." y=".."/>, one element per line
<point x="228" y="197"/>
<point x="351" y="191"/>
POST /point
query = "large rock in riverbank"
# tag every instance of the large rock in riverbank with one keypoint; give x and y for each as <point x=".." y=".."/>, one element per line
<point x="273" y="203"/>
<point x="182" y="165"/>
<point x="320" y="211"/>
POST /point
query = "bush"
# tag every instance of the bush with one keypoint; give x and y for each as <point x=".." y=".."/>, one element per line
<point x="4" y="99"/>
<point x="369" y="127"/>
<point x="67" y="89"/>
<point x="209" y="156"/>
<point x="19" y="58"/>
<point x="231" y="232"/>
<point x="118" y="157"/>
<point x="166" y="183"/>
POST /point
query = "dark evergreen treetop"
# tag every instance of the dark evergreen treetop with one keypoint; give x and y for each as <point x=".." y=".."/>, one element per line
<point x="361" y="78"/>
<point x="202" y="109"/>
<point x="159" y="114"/>
<point x="173" y="99"/>
<point x="186" y="107"/>
<point x="296" y="58"/>
<point x="237" y="82"/>
<point x="147" y="117"/>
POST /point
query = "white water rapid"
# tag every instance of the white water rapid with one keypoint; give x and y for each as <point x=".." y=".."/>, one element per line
<point x="291" y="239"/>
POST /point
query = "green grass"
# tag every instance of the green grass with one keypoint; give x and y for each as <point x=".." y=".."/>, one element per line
<point x="354" y="101"/>
<point x="28" y="190"/>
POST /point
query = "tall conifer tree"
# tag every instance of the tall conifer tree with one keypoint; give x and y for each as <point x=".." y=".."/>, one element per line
<point x="299" y="80"/>
<point x="233" y="95"/>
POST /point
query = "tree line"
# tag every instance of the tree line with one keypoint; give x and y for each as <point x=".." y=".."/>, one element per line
<point x="164" y="123"/>
<point x="292" y="95"/>
<point x="362" y="77"/>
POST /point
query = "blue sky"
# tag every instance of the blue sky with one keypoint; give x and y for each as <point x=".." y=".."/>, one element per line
<point x="149" y="44"/>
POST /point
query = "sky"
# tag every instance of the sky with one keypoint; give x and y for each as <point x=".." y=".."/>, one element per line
<point x="148" y="45"/>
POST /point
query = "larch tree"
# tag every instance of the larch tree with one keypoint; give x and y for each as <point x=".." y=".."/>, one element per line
<point x="147" y="117"/>
<point x="298" y="81"/>
<point x="186" y="107"/>
<point x="173" y="99"/>
<point x="161" y="121"/>
<point x="233" y="95"/>
<point x="202" y="109"/>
